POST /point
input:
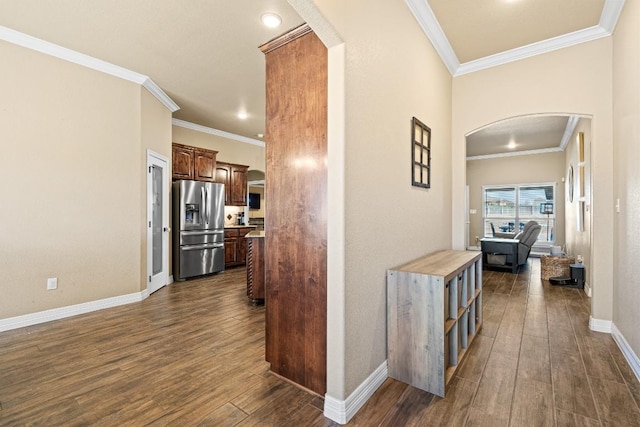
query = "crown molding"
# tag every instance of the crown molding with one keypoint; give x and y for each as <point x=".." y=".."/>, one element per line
<point x="157" y="91"/>
<point x="51" y="49"/>
<point x="429" y="24"/>
<point x="568" y="131"/>
<point x="217" y="132"/>
<point x="431" y="27"/>
<point x="516" y="153"/>
<point x="610" y="14"/>
<point x="533" y="49"/>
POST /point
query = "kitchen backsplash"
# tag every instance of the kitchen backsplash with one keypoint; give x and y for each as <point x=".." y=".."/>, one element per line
<point x="231" y="214"/>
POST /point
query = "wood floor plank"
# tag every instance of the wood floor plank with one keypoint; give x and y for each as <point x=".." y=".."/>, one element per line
<point x="534" y="359"/>
<point x="477" y="418"/>
<point x="409" y="408"/>
<point x="562" y="339"/>
<point x="571" y="386"/>
<point x="532" y="404"/>
<point x="495" y="391"/>
<point x="191" y="350"/>
<point x="507" y="341"/>
<point x="476" y="359"/>
<point x="597" y="359"/>
<point x="615" y="402"/>
<point x="454" y="408"/>
<point x="382" y="401"/>
<point x="627" y="373"/>
<point x="568" y="419"/>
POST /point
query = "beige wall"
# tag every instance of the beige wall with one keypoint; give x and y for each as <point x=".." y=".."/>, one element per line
<point x="391" y="74"/>
<point x="579" y="242"/>
<point x="626" y="148"/>
<point x="574" y="80"/>
<point x="155" y="135"/>
<point x="71" y="139"/>
<point x="229" y="150"/>
<point x="537" y="168"/>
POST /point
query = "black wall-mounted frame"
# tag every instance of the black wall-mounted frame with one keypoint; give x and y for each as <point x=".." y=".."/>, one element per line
<point x="420" y="154"/>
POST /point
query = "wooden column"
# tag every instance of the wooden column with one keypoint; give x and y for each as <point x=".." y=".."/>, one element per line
<point x="296" y="212"/>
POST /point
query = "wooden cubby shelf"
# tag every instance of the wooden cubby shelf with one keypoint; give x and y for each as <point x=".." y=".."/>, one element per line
<point x="434" y="311"/>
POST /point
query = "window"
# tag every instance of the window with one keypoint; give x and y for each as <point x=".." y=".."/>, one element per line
<point x="420" y="154"/>
<point x="508" y="208"/>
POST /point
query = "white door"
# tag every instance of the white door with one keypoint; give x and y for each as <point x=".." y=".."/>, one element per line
<point x="157" y="221"/>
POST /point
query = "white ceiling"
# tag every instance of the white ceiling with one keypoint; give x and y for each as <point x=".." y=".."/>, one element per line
<point x="204" y="53"/>
<point x="521" y="135"/>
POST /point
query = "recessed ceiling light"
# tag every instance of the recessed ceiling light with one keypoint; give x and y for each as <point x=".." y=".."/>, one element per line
<point x="260" y="135"/>
<point x="271" y="20"/>
<point x="242" y="115"/>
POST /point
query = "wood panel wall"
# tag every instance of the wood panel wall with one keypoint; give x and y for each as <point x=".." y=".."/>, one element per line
<point x="296" y="215"/>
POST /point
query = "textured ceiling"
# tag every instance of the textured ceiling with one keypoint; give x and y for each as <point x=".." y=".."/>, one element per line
<point x="476" y="29"/>
<point x="204" y="53"/>
<point x="526" y="133"/>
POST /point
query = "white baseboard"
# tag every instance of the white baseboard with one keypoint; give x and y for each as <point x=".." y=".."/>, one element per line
<point x="341" y="411"/>
<point x="72" y="310"/>
<point x="599" y="325"/>
<point x="587" y="289"/>
<point x="628" y="353"/>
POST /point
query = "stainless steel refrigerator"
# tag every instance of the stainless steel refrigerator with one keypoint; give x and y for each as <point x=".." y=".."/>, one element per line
<point x="198" y="224"/>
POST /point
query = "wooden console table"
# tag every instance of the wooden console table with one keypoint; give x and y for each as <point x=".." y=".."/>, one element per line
<point x="434" y="311"/>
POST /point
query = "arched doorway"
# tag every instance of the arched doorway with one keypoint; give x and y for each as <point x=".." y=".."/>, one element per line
<point x="529" y="160"/>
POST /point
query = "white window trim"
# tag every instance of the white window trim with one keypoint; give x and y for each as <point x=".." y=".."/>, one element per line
<point x="553" y="185"/>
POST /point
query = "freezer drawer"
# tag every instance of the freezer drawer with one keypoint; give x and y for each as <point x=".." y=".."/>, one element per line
<point x="196" y="260"/>
<point x="201" y="237"/>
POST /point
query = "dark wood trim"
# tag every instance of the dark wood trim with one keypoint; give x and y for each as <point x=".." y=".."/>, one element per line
<point x="285" y="38"/>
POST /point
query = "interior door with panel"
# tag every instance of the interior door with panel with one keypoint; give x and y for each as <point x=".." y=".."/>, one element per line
<point x="157" y="221"/>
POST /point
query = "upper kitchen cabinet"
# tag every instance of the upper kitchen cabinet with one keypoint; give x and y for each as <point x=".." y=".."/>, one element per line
<point x="234" y="178"/>
<point x="193" y="163"/>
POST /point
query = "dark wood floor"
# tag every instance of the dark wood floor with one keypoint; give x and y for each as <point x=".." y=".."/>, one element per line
<point x="193" y="354"/>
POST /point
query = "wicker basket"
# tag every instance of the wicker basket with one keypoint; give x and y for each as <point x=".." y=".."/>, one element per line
<point x="555" y="266"/>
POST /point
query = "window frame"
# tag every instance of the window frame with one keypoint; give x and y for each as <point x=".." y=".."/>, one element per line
<point x="549" y="222"/>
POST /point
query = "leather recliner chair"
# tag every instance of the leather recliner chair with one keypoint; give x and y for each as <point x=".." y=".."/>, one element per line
<point x="510" y="253"/>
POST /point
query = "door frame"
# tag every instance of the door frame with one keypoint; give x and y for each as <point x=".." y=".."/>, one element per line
<point x="161" y="279"/>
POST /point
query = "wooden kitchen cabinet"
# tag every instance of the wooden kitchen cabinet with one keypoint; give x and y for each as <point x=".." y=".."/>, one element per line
<point x="205" y="165"/>
<point x="235" y="246"/>
<point x="182" y="161"/>
<point x="193" y="163"/>
<point x="234" y="178"/>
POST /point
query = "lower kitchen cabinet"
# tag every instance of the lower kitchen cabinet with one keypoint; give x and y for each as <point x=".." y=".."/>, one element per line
<point x="235" y="246"/>
<point x="434" y="311"/>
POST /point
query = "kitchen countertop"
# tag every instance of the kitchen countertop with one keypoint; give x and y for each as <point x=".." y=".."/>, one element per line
<point x="255" y="233"/>
<point x="240" y="226"/>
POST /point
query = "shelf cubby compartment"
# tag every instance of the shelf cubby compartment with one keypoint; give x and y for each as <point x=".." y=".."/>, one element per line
<point x="434" y="311"/>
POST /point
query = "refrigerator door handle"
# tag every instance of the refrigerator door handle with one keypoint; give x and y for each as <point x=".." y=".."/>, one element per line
<point x="202" y="205"/>
<point x="200" y="247"/>
<point x="206" y="204"/>
<point x="201" y="232"/>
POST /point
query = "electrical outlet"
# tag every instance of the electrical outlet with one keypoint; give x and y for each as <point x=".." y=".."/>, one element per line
<point x="52" y="283"/>
<point x="477" y="239"/>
